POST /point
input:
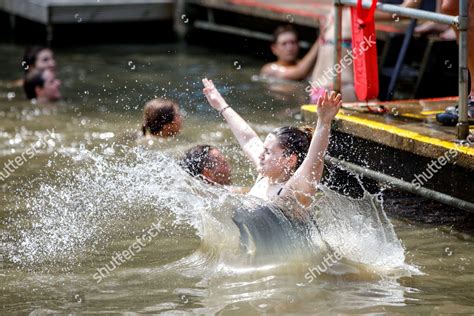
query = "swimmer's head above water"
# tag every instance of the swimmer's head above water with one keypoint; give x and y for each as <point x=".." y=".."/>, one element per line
<point x="161" y="117"/>
<point x="285" y="44"/>
<point x="40" y="58"/>
<point x="42" y="85"/>
<point x="207" y="162"/>
<point x="284" y="151"/>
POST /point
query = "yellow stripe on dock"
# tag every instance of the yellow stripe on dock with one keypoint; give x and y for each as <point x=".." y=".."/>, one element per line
<point x="431" y="112"/>
<point x="413" y="115"/>
<point x="397" y="131"/>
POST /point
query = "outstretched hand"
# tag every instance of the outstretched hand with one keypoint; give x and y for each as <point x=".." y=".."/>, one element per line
<point x="328" y="106"/>
<point x="213" y="96"/>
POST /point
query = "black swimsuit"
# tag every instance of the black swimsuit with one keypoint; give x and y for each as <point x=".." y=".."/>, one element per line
<point x="266" y="231"/>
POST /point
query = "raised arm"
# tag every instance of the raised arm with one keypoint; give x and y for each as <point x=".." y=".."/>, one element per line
<point x="303" y="182"/>
<point x="247" y="138"/>
<point x="304" y="67"/>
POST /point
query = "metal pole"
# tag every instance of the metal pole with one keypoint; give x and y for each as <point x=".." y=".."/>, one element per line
<point x="463" y="124"/>
<point x="179" y="18"/>
<point x="338" y="47"/>
<point x="407" y="12"/>
<point x="403" y="185"/>
<point x="401" y="58"/>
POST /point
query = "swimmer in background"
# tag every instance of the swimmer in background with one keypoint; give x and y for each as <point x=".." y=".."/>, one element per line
<point x="42" y="86"/>
<point x="286" y="48"/>
<point x="161" y="118"/>
<point x="291" y="160"/>
<point x="36" y="58"/>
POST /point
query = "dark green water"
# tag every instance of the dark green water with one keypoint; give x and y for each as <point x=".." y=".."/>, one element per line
<point x="92" y="190"/>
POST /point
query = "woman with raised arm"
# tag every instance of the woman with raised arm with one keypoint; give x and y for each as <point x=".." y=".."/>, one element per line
<point x="290" y="161"/>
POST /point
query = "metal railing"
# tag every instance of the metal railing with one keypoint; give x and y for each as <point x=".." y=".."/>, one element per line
<point x="461" y="22"/>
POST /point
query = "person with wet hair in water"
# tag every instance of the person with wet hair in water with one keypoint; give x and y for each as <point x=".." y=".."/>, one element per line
<point x="289" y="163"/>
<point x="161" y="118"/>
<point x="42" y="86"/>
<point x="208" y="163"/>
<point x="38" y="57"/>
<point x="286" y="48"/>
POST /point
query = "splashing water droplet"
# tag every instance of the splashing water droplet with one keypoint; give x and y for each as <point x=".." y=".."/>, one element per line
<point x="448" y="252"/>
<point x="184" y="18"/>
<point x="25" y="65"/>
<point x="11" y="95"/>
<point x="395" y="17"/>
<point x="379" y="198"/>
<point x="184" y="299"/>
<point x="131" y="65"/>
<point x="237" y="65"/>
<point x="78" y="18"/>
<point x="77" y="298"/>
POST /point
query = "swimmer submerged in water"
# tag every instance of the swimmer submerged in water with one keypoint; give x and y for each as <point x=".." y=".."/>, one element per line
<point x="290" y="162"/>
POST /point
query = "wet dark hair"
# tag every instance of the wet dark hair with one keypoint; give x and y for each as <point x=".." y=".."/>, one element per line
<point x="283" y="29"/>
<point x="157" y="113"/>
<point x="32" y="80"/>
<point x="196" y="159"/>
<point x="294" y="141"/>
<point x="31" y="55"/>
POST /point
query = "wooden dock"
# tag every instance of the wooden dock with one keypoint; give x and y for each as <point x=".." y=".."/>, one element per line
<point x="408" y="125"/>
<point x="55" y="13"/>
<point x="403" y="142"/>
<point x="306" y="13"/>
<point x="89" y="11"/>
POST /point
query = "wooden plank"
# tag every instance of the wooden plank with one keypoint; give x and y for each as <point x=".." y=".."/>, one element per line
<point x="73" y="11"/>
<point x="111" y="13"/>
<point x="288" y="16"/>
<point x="36" y="11"/>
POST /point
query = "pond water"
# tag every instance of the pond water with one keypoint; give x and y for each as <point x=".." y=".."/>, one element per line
<point x="91" y="192"/>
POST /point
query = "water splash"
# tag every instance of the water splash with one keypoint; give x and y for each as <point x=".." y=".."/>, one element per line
<point x="360" y="228"/>
<point x="102" y="198"/>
